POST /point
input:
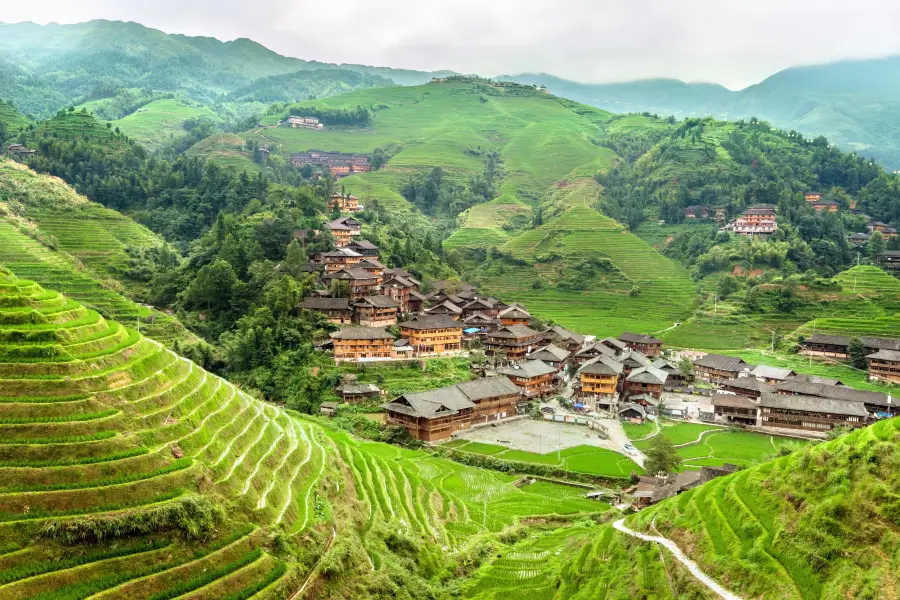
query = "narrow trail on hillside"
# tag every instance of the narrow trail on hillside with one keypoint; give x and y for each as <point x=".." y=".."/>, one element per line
<point x="312" y="572"/>
<point x="674" y="325"/>
<point x="699" y="438"/>
<point x="705" y="579"/>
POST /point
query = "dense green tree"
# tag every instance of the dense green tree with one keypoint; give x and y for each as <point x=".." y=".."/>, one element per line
<point x="875" y="247"/>
<point x="662" y="456"/>
<point x="857" y="351"/>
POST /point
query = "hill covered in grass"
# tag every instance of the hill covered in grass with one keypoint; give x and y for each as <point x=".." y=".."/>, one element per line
<point x="11" y="119"/>
<point x="821" y="523"/>
<point x="96" y="255"/>
<point x="128" y="471"/>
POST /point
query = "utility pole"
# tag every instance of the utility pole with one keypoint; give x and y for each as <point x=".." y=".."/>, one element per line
<point x="773" y="341"/>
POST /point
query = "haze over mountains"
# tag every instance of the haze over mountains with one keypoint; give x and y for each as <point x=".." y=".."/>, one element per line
<point x="45" y="67"/>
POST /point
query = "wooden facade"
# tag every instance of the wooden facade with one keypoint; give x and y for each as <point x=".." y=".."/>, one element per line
<point x="336" y="310"/>
<point x="375" y="311"/>
<point x="535" y="377"/>
<point x="358" y="344"/>
<point x="884" y="365"/>
<point x="645" y="344"/>
<point x="513" y="342"/>
<point x="809" y="413"/>
<point x="433" y="335"/>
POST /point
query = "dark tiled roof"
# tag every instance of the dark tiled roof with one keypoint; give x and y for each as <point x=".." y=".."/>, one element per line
<point x="432" y="322"/>
<point x="721" y="362"/>
<point x="649" y="375"/>
<point x="748" y="383"/>
<point x="352" y="388"/>
<point x="364" y="244"/>
<point x="361" y="333"/>
<point x="813" y="404"/>
<point x="514" y="332"/>
<point x="639" y="338"/>
<point x="549" y="353"/>
<point x="767" y="372"/>
<point x="888" y="355"/>
<point x="837" y="392"/>
<point x="733" y="401"/>
<point x="831" y="340"/>
<point x="880" y="343"/>
<point x="488" y="387"/>
<point x="603" y="365"/>
<point x="351" y="273"/>
<point x="377" y="301"/>
<point x="529" y="368"/>
<point x="447" y="306"/>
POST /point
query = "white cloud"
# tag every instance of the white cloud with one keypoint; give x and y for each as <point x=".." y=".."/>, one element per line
<point x="728" y="41"/>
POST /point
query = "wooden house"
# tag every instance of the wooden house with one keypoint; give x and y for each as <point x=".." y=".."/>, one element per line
<point x="551" y="354"/>
<point x="598" y="380"/>
<point x="416" y="302"/>
<point x="645" y="344"/>
<point x="361" y="282"/>
<point x="445" y="308"/>
<point x="810" y="413"/>
<point x="484" y="306"/>
<point x="812" y="197"/>
<point x="884" y="365"/>
<point x="716" y="368"/>
<point x="336" y="310"/>
<point x="617" y="346"/>
<point x="372" y="266"/>
<point x="354" y="392"/>
<point x="364" y="248"/>
<point x="645" y="380"/>
<point x="398" y="288"/>
<point x="484" y="323"/>
<point x="433" y="335"/>
<point x="593" y="351"/>
<point x="750" y="387"/>
<point x="674" y="377"/>
<point x="858" y="239"/>
<point x="344" y="229"/>
<point x="514" y="315"/>
<point x="361" y="344"/>
<point x="436" y="414"/>
<point x="335" y="260"/>
<point x="772" y="375"/>
<point x="831" y="346"/>
<point x="535" y="377"/>
<point x="631" y="360"/>
<point x="343" y="202"/>
<point x="562" y="337"/>
<point x="375" y="311"/>
<point x="892" y="261"/>
<point x="825" y="206"/>
<point x="696" y="212"/>
<point x="735" y="409"/>
<point x="512" y="342"/>
<point x="875" y="402"/>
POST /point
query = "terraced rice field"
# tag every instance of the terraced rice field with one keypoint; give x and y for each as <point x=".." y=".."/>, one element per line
<point x="750" y="529"/>
<point x="581" y="233"/>
<point x="113" y="450"/>
<point x="90" y="242"/>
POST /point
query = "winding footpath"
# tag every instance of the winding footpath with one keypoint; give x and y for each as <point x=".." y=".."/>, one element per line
<point x="705" y="579"/>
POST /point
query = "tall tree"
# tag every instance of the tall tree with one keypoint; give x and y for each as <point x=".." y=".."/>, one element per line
<point x="662" y="456"/>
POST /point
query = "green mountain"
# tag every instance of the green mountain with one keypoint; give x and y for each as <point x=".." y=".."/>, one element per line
<point x="10" y="118"/>
<point x="853" y="103"/>
<point x="45" y="67"/>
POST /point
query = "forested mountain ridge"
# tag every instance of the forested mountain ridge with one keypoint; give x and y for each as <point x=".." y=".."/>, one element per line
<point x="46" y="67"/>
<point x="853" y="103"/>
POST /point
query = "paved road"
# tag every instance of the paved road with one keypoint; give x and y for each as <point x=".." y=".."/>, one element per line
<point x="705" y="579"/>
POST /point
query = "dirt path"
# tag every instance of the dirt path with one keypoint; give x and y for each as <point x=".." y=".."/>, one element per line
<point x="699" y="438"/>
<point x="316" y="566"/>
<point x="705" y="579"/>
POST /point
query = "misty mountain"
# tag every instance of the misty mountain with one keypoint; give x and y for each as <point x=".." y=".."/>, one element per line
<point x="854" y="103"/>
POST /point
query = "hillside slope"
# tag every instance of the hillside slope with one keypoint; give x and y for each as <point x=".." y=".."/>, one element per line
<point x="821" y="523"/>
<point x="853" y="103"/>
<point x="585" y="271"/>
<point x="127" y="471"/>
<point x="63" y="241"/>
<point x="46" y="67"/>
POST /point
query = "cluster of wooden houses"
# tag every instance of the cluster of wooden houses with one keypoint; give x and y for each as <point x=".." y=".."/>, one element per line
<point x="339" y="164"/>
<point x="765" y="396"/>
<point x="19" y="150"/>
<point x="882" y="354"/>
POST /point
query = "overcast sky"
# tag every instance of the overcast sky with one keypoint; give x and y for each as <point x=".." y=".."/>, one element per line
<point x="732" y="42"/>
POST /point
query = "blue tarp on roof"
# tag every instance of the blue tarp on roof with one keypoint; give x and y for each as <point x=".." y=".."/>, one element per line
<point x="471" y="330"/>
<point x="579" y="405"/>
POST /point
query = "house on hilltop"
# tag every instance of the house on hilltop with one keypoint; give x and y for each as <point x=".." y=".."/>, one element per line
<point x="362" y="344"/>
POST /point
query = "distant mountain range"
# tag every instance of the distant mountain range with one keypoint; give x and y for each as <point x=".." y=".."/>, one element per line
<point x="854" y="103"/>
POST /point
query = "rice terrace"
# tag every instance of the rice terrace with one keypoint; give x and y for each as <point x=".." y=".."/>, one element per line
<point x="280" y="327"/>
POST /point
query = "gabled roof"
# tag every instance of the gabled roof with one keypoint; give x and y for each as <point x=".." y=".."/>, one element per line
<point x="341" y="253"/>
<point x="649" y="375"/>
<point x="722" y="362"/>
<point x="351" y="273"/>
<point x="663" y="365"/>
<point x="611" y="341"/>
<point x="361" y="333"/>
<point x="416" y="295"/>
<point x="397" y="281"/>
<point x="549" y="353"/>
<point x="767" y="372"/>
<point x="352" y="387"/>
<point x="447" y="306"/>
<point x="562" y="333"/>
<point x="597" y="349"/>
<point x="514" y="332"/>
<point x="527" y="369"/>
<point x="431" y="322"/>
<point x="479" y="317"/>
<point x="377" y="302"/>
<point x="488" y="387"/>
<point x="813" y="404"/>
<point x="364" y="244"/>
<point x="348" y="222"/>
<point x="633" y="359"/>
<point x="888" y="355"/>
<point x="748" y="383"/>
<point x="831" y="340"/>
<point x="602" y="365"/>
<point x="804" y="378"/>
<point x="639" y="338"/>
<point x="880" y="343"/>
<point x="516" y="311"/>
<point x="733" y="401"/>
<point x="632" y="406"/>
<point x="369" y="263"/>
<point x="431" y="404"/>
<point x="837" y="392"/>
<point x="485" y="302"/>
